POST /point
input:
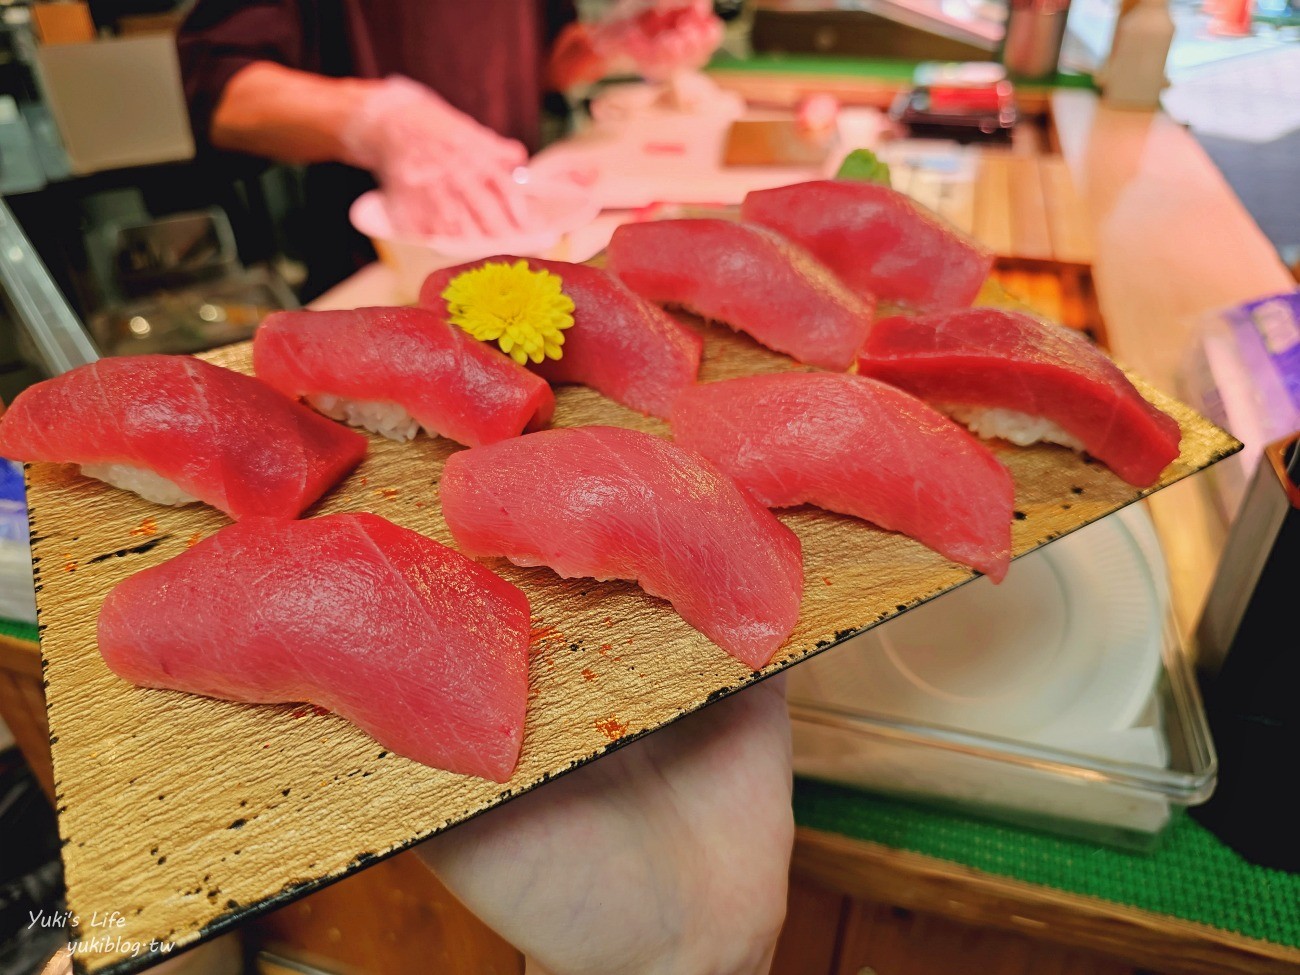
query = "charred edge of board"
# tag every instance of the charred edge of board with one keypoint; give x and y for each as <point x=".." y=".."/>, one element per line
<point x="122" y="553"/>
<point x="840" y="636"/>
<point x="716" y="695"/>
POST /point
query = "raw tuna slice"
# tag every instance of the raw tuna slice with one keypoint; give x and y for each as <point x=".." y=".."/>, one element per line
<point x="620" y="344"/>
<point x="177" y="429"/>
<point x="409" y="640"/>
<point x="859" y="447"/>
<point x="394" y="370"/>
<point x="748" y="277"/>
<point x="1017" y="372"/>
<point x="611" y="503"/>
<point x="879" y="241"/>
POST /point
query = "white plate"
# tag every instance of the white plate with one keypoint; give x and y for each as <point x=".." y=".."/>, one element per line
<point x="1066" y="648"/>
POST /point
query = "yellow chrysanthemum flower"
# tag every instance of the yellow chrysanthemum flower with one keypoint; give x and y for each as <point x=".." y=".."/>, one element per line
<point x="522" y="310"/>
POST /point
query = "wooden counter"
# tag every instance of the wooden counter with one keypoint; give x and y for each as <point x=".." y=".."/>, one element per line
<point x="1172" y="241"/>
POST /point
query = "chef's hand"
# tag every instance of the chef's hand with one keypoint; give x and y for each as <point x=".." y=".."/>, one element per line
<point x="670" y="856"/>
<point x="661" y="38"/>
<point x="441" y="172"/>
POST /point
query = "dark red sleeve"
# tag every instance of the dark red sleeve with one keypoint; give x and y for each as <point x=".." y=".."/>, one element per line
<point x="558" y="14"/>
<point x="219" y="37"/>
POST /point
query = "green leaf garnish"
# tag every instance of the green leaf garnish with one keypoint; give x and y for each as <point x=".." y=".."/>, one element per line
<point x="864" y="165"/>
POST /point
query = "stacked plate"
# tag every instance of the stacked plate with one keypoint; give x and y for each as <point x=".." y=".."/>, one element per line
<point x="1058" y="696"/>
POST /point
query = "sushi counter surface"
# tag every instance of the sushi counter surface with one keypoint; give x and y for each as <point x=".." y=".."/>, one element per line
<point x="225" y="824"/>
<point x="1190" y="906"/>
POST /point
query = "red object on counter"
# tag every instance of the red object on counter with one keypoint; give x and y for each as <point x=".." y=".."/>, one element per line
<point x="1232" y="18"/>
<point x="983" y="98"/>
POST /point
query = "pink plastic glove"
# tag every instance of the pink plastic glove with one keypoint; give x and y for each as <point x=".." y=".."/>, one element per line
<point x="662" y="37"/>
<point x="442" y="173"/>
<point x="667" y="858"/>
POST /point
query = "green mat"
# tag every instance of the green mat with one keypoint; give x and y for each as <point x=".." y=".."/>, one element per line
<point x="1191" y="875"/>
<point x="1288" y="19"/>
<point x="883" y="69"/>
<point x="17" y="630"/>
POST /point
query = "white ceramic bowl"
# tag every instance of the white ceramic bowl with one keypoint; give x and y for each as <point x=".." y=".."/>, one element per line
<point x="561" y="207"/>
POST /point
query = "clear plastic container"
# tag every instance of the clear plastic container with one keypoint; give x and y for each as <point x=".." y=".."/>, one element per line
<point x="1160" y="759"/>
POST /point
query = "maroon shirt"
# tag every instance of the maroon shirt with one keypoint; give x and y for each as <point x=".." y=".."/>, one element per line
<point x="486" y="57"/>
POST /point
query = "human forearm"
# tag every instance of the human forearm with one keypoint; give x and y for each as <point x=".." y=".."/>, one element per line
<point x="269" y="110"/>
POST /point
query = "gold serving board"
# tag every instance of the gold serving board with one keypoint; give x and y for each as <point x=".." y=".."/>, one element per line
<point x="185" y="815"/>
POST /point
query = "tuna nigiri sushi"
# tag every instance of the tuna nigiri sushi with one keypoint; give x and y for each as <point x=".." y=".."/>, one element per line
<point x="748" y="277"/>
<point x="395" y="370"/>
<point x="611" y="503"/>
<point x="421" y="648"/>
<point x="620" y="344"/>
<point x="858" y="447"/>
<point x="1008" y="375"/>
<point x="877" y="240"/>
<point x="175" y="429"/>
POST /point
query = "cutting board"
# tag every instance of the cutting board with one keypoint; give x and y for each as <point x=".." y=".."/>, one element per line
<point x="1022" y="206"/>
<point x="775" y="142"/>
<point x="186" y="815"/>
